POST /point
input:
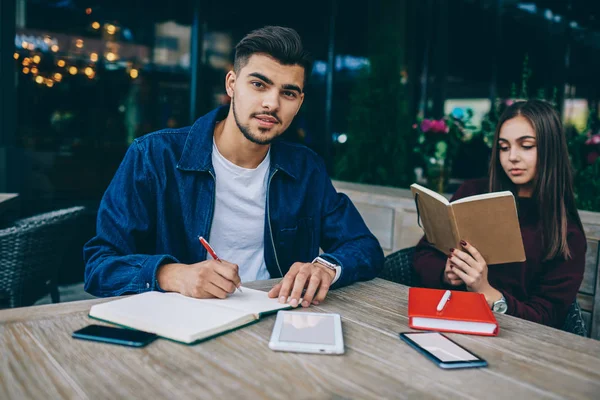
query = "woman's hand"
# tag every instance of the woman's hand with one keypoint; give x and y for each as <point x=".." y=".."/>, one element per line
<point x="450" y="277"/>
<point x="470" y="266"/>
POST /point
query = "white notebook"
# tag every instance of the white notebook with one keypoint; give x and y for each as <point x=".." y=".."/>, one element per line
<point x="185" y="319"/>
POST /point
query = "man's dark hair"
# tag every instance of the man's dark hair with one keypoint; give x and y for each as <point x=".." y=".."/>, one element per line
<point x="282" y="44"/>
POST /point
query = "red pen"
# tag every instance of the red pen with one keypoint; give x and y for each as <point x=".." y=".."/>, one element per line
<point x="212" y="253"/>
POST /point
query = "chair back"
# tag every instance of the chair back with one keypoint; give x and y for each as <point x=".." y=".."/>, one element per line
<point x="397" y="267"/>
<point x="31" y="252"/>
<point x="574" y="323"/>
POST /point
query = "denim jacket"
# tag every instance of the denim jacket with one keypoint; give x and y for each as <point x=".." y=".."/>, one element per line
<point x="162" y="198"/>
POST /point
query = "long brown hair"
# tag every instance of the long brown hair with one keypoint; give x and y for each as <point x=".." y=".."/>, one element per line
<point x="553" y="183"/>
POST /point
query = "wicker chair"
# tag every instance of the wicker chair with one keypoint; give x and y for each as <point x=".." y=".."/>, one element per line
<point x="398" y="268"/>
<point x="31" y="253"/>
<point x="574" y="322"/>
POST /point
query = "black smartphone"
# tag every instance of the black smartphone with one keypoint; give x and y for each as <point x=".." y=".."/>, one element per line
<point x="443" y="351"/>
<point x="109" y="334"/>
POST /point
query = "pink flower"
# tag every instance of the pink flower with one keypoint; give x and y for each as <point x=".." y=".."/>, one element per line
<point x="439" y="126"/>
<point x="592" y="157"/>
<point x="426" y="125"/>
<point x="595" y="139"/>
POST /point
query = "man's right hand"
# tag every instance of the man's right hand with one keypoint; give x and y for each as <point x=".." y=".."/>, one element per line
<point x="203" y="280"/>
<point x="450" y="277"/>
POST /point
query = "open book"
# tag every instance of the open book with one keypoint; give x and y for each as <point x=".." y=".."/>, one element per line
<point x="488" y="221"/>
<point x="185" y="319"/>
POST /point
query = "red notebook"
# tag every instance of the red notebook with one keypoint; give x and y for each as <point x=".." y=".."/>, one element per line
<point x="465" y="312"/>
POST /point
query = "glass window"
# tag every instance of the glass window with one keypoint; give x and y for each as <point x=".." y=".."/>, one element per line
<point x="93" y="76"/>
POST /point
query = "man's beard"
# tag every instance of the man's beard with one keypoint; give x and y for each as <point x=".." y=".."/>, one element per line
<point x="246" y="129"/>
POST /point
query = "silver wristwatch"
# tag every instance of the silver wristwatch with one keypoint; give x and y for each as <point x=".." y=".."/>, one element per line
<point x="329" y="265"/>
<point x="500" y="306"/>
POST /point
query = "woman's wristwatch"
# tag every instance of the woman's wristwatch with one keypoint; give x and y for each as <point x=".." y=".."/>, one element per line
<point x="500" y="306"/>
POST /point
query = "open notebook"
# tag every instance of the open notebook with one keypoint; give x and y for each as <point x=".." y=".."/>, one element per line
<point x="185" y="319"/>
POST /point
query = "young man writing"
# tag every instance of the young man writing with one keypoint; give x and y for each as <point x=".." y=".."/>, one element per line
<point x="266" y="206"/>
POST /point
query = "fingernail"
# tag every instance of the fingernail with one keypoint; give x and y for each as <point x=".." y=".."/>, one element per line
<point x="305" y="303"/>
<point x="451" y="250"/>
<point x="282" y="299"/>
<point x="315" y="302"/>
<point x="463" y="242"/>
<point x="294" y="303"/>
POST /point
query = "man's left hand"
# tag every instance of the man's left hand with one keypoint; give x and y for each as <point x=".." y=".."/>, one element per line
<point x="314" y="277"/>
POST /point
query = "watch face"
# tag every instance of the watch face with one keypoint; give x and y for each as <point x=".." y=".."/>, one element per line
<point x="500" y="307"/>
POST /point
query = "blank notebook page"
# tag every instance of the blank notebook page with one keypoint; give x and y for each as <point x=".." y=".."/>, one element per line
<point x="166" y="314"/>
<point x="250" y="301"/>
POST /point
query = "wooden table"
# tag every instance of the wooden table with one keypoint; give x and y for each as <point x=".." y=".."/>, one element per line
<point x="40" y="360"/>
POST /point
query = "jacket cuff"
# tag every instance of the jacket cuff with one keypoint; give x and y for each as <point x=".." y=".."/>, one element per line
<point x="149" y="269"/>
<point x="334" y="260"/>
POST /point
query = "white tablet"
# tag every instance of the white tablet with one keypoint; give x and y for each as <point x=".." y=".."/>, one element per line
<point x="307" y="332"/>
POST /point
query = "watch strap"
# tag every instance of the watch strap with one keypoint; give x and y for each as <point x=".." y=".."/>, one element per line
<point x="328" y="264"/>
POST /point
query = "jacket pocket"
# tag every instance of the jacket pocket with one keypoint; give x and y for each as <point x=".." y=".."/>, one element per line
<point x="296" y="243"/>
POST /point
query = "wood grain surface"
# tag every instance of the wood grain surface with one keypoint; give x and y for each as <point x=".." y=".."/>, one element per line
<point x="526" y="360"/>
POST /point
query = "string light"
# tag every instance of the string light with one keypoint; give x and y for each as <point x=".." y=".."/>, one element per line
<point x="111" y="29"/>
<point x="58" y="77"/>
<point x="16" y="56"/>
<point x="111" y="56"/>
<point x="92" y="75"/>
<point x="89" y="71"/>
<point x="49" y="82"/>
<point x="96" y="25"/>
<point x="47" y="40"/>
<point x="134" y="73"/>
<point x="26" y="61"/>
<point x="34" y="70"/>
<point x="25" y="70"/>
<point x="79" y="43"/>
<point x="39" y="79"/>
<point x="37" y="59"/>
<point x="30" y="46"/>
<point x="61" y="63"/>
<point x="94" y="57"/>
<point x="88" y="11"/>
<point x="24" y="44"/>
<point x="73" y="70"/>
<point x="54" y="48"/>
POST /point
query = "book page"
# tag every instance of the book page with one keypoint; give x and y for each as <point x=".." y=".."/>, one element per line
<point x="170" y="315"/>
<point x="492" y="195"/>
<point x="251" y="301"/>
<point x="430" y="192"/>
<point x="436" y="218"/>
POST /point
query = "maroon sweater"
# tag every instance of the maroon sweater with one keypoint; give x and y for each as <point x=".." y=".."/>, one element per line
<point x="536" y="290"/>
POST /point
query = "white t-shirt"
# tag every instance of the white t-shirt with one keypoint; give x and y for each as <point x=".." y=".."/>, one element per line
<point x="238" y="226"/>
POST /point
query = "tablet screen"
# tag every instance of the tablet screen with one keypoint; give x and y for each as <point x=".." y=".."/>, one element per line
<point x="303" y="328"/>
